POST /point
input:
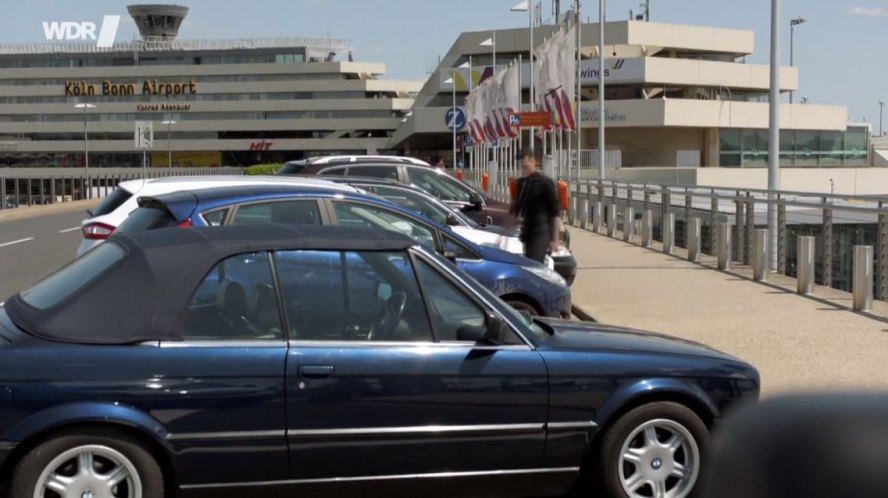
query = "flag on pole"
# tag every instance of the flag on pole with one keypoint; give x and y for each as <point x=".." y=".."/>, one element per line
<point x="567" y="69"/>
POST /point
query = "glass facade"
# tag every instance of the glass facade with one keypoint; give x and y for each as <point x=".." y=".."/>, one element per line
<point x="748" y="148"/>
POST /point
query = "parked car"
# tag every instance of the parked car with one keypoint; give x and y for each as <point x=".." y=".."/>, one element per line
<point x="312" y="165"/>
<point x="383" y="371"/>
<point x="105" y="218"/>
<point x="562" y="261"/>
<point x="437" y="182"/>
<point x="523" y="283"/>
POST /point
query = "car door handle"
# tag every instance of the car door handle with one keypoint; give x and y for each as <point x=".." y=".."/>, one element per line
<point x="316" y="371"/>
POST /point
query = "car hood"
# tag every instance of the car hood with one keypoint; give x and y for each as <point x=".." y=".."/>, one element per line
<point x="587" y="336"/>
<point x="490" y="253"/>
<point x="498" y="230"/>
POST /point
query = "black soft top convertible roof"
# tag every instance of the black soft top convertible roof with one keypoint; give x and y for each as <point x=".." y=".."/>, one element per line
<point x="141" y="297"/>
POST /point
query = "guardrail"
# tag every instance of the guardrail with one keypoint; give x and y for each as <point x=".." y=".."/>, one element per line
<point x="17" y="189"/>
<point x="674" y="215"/>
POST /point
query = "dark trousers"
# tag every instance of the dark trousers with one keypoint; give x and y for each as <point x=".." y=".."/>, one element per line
<point x="535" y="247"/>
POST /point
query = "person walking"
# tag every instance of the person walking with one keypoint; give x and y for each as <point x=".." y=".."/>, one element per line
<point x="538" y="208"/>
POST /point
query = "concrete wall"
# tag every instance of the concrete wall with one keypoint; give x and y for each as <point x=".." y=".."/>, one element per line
<point x="850" y="181"/>
<point x="647" y="146"/>
<point x="713" y="114"/>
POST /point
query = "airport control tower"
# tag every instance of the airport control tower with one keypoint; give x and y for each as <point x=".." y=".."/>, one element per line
<point x="158" y="22"/>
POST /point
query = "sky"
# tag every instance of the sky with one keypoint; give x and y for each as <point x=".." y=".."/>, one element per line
<point x="841" y="51"/>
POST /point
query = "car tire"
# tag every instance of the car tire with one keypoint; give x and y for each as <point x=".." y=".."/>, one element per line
<point x="523" y="306"/>
<point x="635" y="462"/>
<point x="108" y="451"/>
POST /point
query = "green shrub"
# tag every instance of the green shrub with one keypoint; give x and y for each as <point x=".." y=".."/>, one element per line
<point x="262" y="169"/>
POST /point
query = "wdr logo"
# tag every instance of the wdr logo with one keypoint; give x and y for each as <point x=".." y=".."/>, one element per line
<point x="68" y="31"/>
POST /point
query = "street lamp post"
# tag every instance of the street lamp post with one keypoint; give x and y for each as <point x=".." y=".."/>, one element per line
<point x="169" y="123"/>
<point x="85" y="107"/>
<point x="774" y="135"/>
<point x="881" y="115"/>
<point x="792" y="24"/>
<point x="526" y="6"/>
<point x="452" y="82"/>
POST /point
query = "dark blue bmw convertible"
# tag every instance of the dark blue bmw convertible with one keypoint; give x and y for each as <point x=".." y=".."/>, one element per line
<point x="287" y="361"/>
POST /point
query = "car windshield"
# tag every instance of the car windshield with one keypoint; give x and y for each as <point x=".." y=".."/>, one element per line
<point x="147" y="218"/>
<point x="65" y="282"/>
<point x="439" y="185"/>
<point x="112" y="202"/>
<point x="420" y="203"/>
<point x="293" y="168"/>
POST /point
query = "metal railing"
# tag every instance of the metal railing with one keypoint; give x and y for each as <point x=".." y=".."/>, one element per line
<point x="18" y="190"/>
<point x="838" y="224"/>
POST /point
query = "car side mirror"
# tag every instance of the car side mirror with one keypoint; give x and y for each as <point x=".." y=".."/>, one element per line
<point x="450" y="256"/>
<point x="477" y="201"/>
<point x="452" y="220"/>
<point x="495" y="329"/>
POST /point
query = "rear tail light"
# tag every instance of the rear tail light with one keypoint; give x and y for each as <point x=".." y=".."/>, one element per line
<point x="97" y="231"/>
<point x="185" y="224"/>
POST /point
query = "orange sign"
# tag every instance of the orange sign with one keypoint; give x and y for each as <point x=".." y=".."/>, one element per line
<point x="530" y="119"/>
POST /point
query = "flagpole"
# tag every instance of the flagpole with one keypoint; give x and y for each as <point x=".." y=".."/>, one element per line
<point x="521" y="94"/>
<point x="579" y="118"/>
<point x="530" y="7"/>
<point x="601" y="115"/>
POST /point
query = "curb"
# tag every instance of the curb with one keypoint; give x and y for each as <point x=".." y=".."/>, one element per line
<point x="25" y="212"/>
<point x="581" y="314"/>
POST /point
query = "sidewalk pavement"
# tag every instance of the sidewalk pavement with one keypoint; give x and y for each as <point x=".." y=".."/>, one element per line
<point x="798" y="343"/>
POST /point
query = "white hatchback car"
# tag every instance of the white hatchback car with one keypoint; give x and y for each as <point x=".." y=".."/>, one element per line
<point x="115" y="208"/>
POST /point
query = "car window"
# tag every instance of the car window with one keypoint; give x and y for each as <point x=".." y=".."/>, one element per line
<point x="375" y="171"/>
<point x="351" y="296"/>
<point x="413" y="201"/>
<point x="147" y="218"/>
<point x="215" y="218"/>
<point x="333" y="172"/>
<point x="439" y="185"/>
<point x="304" y="212"/>
<point x="65" y="282"/>
<point x="295" y="168"/>
<point x="459" y="250"/>
<point x="455" y="315"/>
<point x="366" y="216"/>
<point x="112" y="202"/>
<point x="235" y="302"/>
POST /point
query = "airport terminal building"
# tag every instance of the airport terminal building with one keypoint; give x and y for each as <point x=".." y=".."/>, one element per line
<point x="682" y="106"/>
<point x="213" y="102"/>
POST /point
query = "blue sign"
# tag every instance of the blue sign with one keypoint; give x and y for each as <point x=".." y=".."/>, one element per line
<point x="455" y="119"/>
<point x="514" y="120"/>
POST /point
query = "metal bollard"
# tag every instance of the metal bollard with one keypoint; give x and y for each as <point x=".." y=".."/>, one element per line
<point x="572" y="212"/>
<point x="760" y="255"/>
<point x="628" y="223"/>
<point x="596" y="217"/>
<point x="724" y="246"/>
<point x="584" y="216"/>
<point x="647" y="228"/>
<point x="669" y="233"/>
<point x="694" y="239"/>
<point x="805" y="269"/>
<point x="611" y="220"/>
<point x="863" y="278"/>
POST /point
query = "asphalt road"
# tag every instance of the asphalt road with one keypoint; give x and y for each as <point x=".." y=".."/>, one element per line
<point x="33" y="247"/>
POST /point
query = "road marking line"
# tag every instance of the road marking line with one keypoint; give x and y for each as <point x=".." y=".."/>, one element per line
<point x="17" y="242"/>
<point x="69" y="230"/>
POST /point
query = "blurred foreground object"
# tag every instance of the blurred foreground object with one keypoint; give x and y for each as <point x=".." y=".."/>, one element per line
<point x="804" y="446"/>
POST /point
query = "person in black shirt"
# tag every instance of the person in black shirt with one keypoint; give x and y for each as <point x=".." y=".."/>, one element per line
<point x="538" y="208"/>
